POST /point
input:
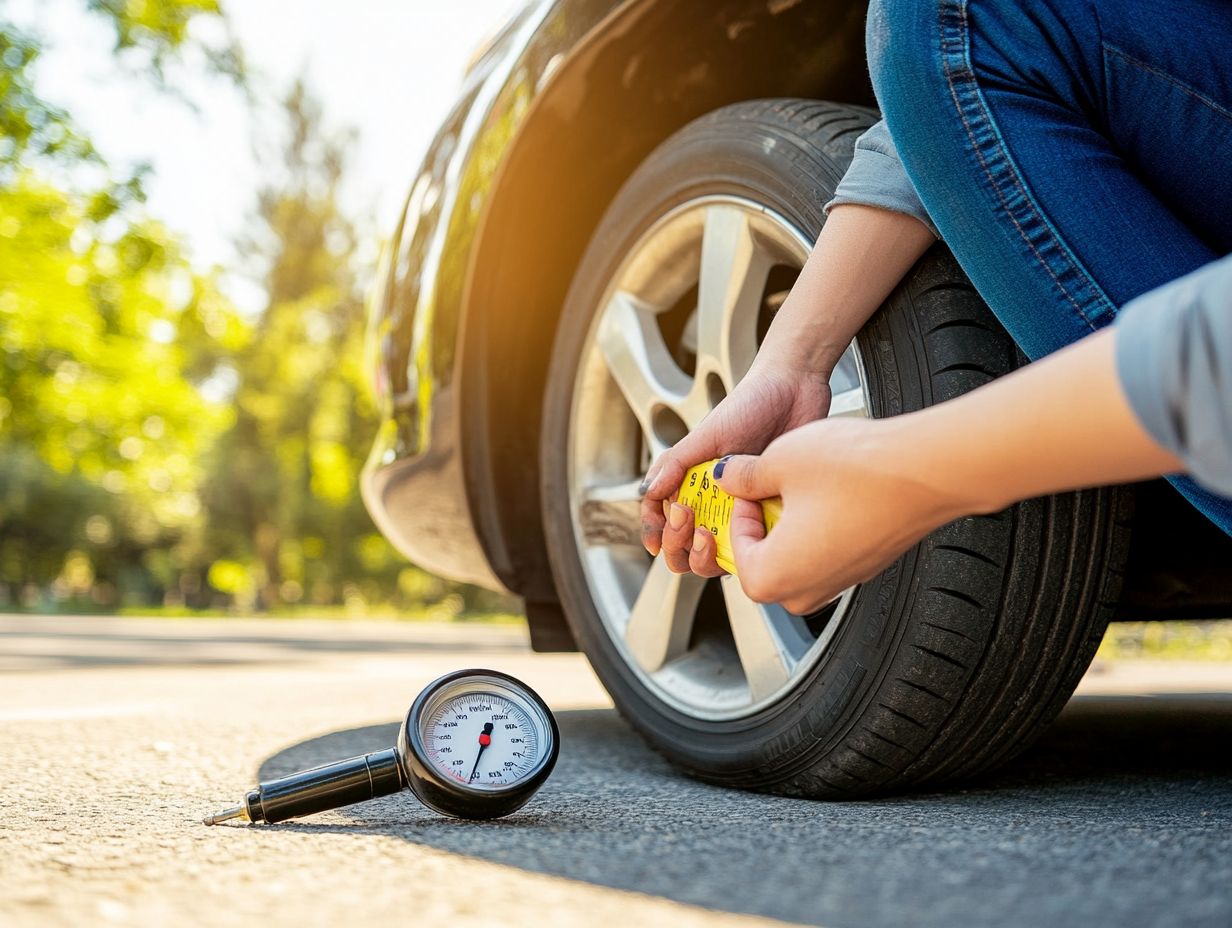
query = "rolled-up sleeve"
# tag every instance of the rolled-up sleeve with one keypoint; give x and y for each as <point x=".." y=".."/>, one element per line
<point x="876" y="178"/>
<point x="1174" y="361"/>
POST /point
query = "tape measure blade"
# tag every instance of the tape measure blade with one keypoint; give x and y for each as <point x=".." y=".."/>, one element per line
<point x="713" y="509"/>
<point x="772" y="511"/>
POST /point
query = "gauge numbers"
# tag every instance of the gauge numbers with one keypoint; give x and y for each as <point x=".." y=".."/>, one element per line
<point x="482" y="740"/>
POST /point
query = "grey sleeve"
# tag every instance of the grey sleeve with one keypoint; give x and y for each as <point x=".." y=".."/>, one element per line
<point x="876" y="178"/>
<point x="1174" y="360"/>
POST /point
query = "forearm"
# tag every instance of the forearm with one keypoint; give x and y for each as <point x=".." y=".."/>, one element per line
<point x="1060" y="424"/>
<point x="860" y="257"/>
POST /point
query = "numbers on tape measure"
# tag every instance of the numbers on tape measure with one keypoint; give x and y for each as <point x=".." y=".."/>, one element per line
<point x="713" y="509"/>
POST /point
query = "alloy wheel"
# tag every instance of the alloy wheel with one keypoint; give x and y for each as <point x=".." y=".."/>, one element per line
<point x="677" y="328"/>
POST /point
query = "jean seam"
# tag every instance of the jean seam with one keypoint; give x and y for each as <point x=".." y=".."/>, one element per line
<point x="1000" y="171"/>
<point x="1168" y="78"/>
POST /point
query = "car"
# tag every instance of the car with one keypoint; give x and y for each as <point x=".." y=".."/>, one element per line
<point x="598" y="236"/>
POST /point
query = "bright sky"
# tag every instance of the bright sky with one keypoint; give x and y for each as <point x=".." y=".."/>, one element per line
<point x="389" y="68"/>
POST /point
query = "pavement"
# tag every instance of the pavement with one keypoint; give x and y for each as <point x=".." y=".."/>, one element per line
<point x="116" y="736"/>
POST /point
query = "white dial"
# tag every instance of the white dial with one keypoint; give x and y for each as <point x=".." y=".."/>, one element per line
<point x="484" y="740"/>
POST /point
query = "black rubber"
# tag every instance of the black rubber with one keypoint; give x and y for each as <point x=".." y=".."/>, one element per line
<point x="961" y="652"/>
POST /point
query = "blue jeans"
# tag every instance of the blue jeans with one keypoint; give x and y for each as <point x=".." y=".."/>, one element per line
<point x="1072" y="153"/>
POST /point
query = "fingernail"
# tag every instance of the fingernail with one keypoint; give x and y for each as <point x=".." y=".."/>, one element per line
<point x="648" y="481"/>
<point x="722" y="462"/>
<point x="678" y="516"/>
<point x="699" y="541"/>
<point x="650" y="538"/>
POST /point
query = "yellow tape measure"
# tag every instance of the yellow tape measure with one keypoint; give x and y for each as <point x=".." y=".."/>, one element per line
<point x="712" y="510"/>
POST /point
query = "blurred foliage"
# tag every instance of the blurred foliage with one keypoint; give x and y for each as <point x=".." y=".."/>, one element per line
<point x="1191" y="641"/>
<point x="102" y="325"/>
<point x="158" y="449"/>
<point x="160" y="29"/>
<point x="29" y="125"/>
<point x="154" y="32"/>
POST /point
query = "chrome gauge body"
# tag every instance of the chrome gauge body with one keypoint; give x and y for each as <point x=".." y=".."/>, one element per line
<point x="477" y="744"/>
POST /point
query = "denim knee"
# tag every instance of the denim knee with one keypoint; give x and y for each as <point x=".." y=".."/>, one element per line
<point x="917" y="49"/>
<point x="903" y="61"/>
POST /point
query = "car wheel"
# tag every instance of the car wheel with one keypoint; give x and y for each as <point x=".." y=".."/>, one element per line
<point x="948" y="662"/>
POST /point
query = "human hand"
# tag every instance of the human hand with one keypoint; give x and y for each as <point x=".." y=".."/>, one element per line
<point x="764" y="405"/>
<point x="856" y="494"/>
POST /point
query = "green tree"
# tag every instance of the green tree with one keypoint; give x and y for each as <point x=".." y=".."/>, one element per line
<point x="154" y="447"/>
<point x="158" y="31"/>
<point x="106" y="333"/>
<point x="102" y="325"/>
<point x="283" y="492"/>
<point x="151" y="32"/>
<point x="284" y="479"/>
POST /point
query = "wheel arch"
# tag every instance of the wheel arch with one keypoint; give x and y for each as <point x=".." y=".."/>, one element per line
<point x="647" y="70"/>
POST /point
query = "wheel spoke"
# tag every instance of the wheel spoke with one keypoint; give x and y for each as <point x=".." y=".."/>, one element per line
<point x="662" y="617"/>
<point x="610" y="514"/>
<point x="733" y="274"/>
<point x="639" y="362"/>
<point x="851" y="403"/>
<point x="768" y="639"/>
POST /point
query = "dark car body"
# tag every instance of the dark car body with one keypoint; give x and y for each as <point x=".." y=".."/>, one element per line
<point x="568" y="99"/>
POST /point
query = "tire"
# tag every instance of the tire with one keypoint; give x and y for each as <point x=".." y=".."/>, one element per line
<point x="945" y="665"/>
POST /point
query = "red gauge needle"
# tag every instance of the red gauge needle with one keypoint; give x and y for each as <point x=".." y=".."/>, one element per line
<point x="484" y="740"/>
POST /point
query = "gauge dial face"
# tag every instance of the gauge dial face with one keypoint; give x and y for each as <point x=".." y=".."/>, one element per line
<point x="483" y="738"/>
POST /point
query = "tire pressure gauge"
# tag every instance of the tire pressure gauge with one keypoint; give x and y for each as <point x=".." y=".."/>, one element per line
<point x="475" y="744"/>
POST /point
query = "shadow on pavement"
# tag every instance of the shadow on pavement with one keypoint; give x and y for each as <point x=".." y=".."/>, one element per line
<point x="1120" y="815"/>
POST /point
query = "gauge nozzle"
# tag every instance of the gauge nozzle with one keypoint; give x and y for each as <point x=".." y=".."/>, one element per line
<point x="355" y="779"/>
<point x="226" y="815"/>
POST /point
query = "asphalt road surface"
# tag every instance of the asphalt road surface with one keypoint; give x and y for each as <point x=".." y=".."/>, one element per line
<point x="117" y="736"/>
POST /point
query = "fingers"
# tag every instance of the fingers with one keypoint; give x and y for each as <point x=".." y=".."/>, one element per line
<point x="748" y="539"/>
<point x="666" y="474"/>
<point x="683" y="549"/>
<point x="663" y="481"/>
<point x="805" y="604"/>
<point x="678" y="537"/>
<point x="747" y="476"/>
<point x="653" y="521"/>
<point x="702" y="558"/>
<point x="766" y="563"/>
<point x="664" y="477"/>
<point x="768" y="566"/>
